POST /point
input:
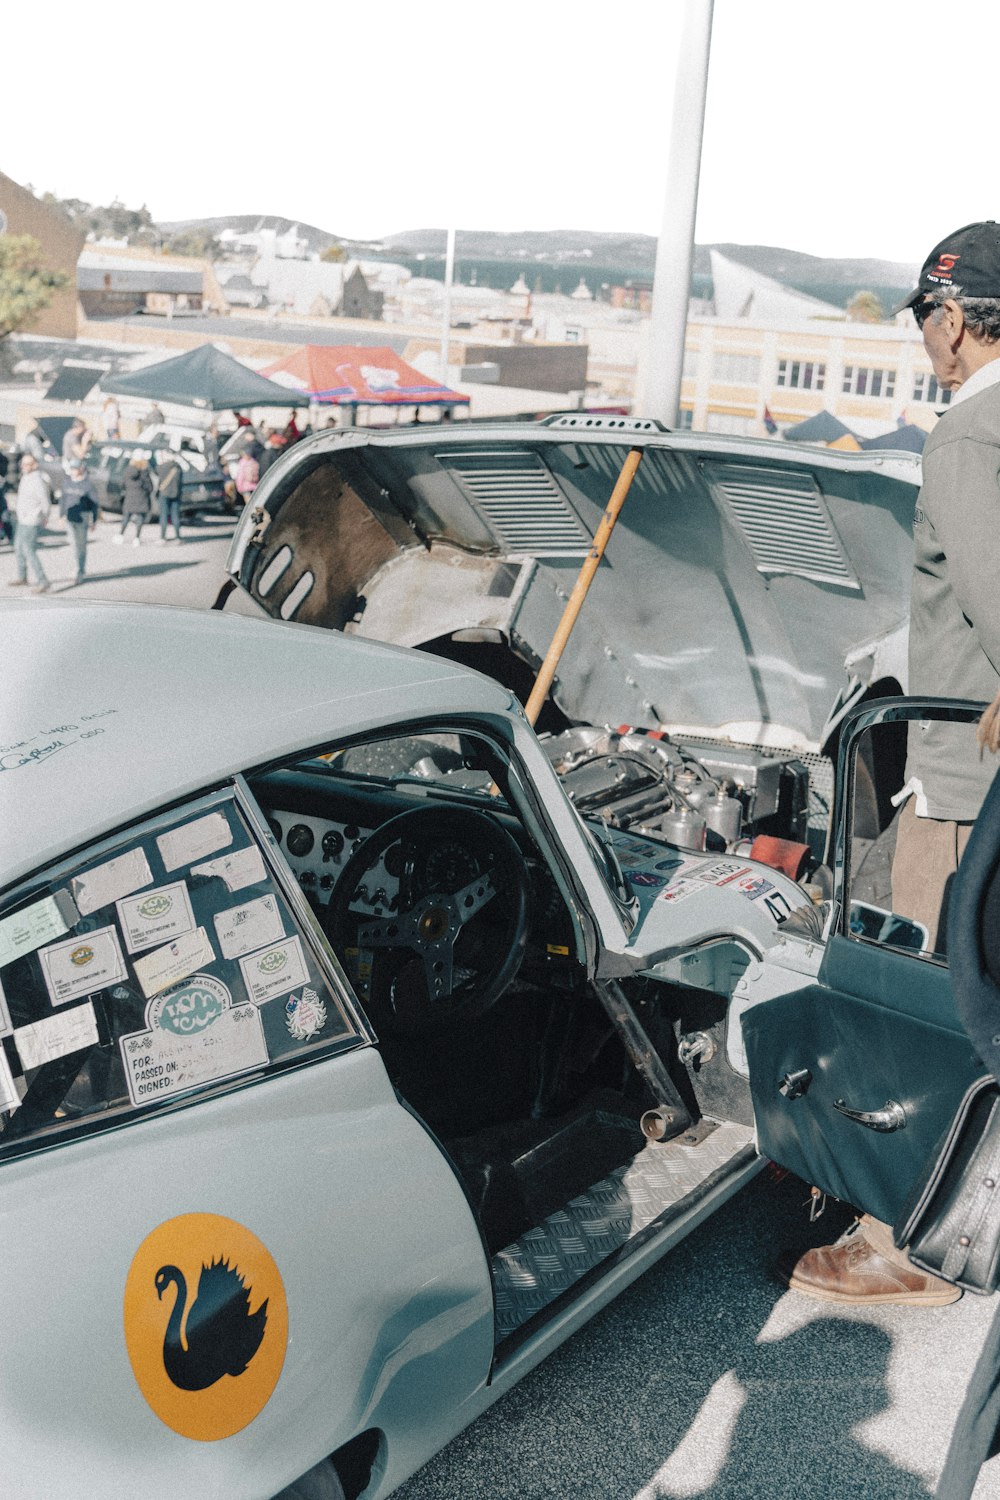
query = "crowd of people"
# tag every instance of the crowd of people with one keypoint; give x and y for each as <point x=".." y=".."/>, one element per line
<point x="35" y="486"/>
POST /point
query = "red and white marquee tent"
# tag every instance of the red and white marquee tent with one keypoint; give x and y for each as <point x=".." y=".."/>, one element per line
<point x="355" y="375"/>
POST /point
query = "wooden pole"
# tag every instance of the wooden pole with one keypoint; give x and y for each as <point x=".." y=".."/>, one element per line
<point x="574" y="603"/>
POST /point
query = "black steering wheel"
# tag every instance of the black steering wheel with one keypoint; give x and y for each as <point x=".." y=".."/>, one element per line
<point x="448" y="944"/>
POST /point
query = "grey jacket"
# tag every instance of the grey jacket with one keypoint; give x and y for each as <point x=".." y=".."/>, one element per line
<point x="955" y="601"/>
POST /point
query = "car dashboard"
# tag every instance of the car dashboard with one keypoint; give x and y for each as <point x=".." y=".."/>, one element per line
<point x="320" y="821"/>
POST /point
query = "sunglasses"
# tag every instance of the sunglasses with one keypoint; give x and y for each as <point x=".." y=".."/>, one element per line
<point x="922" y="311"/>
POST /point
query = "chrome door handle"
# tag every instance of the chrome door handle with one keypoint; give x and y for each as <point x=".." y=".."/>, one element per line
<point x="891" y="1116"/>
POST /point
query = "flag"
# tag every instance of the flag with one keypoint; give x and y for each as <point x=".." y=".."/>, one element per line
<point x="769" y="423"/>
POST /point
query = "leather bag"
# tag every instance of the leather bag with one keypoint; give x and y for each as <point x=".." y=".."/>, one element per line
<point x="950" y="1223"/>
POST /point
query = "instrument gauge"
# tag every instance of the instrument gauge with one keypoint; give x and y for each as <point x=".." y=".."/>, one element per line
<point x="300" y="840"/>
<point x="448" y="867"/>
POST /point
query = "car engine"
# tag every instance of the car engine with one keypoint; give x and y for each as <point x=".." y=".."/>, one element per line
<point x="697" y="796"/>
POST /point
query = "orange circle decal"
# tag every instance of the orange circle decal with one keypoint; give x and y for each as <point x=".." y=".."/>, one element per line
<point x="206" y="1324"/>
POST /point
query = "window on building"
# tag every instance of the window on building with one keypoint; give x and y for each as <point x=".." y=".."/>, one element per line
<point x="801" y="374"/>
<point x="863" y="380"/>
<point x="572" y="335"/>
<point x="724" y="421"/>
<point x="926" y="388"/>
<point x="736" y="369"/>
<point x="689" y="370"/>
<point x="687" y="418"/>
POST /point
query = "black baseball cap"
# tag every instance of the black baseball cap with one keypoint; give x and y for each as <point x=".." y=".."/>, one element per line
<point x="968" y="257"/>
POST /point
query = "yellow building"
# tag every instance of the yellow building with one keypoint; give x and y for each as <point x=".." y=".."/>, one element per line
<point x="61" y="242"/>
<point x="867" y="375"/>
<point x="770" y="347"/>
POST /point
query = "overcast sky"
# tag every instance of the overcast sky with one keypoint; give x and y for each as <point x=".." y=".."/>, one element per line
<point x="851" y="128"/>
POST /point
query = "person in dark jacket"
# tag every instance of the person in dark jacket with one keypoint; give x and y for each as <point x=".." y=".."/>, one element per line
<point x="137" y="496"/>
<point x="6" y="517"/>
<point x="78" y="507"/>
<point x="169" y="480"/>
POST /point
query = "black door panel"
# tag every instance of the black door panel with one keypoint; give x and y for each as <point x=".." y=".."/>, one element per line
<point x="893" y="1037"/>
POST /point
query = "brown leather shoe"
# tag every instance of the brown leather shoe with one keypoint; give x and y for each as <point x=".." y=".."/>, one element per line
<point x="863" y="1268"/>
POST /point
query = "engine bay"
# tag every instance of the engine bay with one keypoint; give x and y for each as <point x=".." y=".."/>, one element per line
<point x="708" y="795"/>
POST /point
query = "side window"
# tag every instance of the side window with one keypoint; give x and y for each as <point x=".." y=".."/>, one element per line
<point x="163" y="964"/>
<point x="916" y="783"/>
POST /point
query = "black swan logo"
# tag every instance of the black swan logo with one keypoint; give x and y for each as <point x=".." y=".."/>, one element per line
<point x="221" y="1336"/>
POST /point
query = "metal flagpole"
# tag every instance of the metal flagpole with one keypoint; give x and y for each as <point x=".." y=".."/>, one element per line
<point x="675" y="248"/>
<point x="449" y="276"/>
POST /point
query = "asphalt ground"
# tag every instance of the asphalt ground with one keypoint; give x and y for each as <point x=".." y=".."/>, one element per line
<point x="186" y="573"/>
<point x="705" y="1380"/>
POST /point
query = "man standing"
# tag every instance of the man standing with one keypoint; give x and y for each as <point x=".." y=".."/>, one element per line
<point x="111" y="418"/>
<point x="34" y="501"/>
<point x="78" y="505"/>
<point x="75" y="443"/>
<point x="954" y="652"/>
<point x="169" y="479"/>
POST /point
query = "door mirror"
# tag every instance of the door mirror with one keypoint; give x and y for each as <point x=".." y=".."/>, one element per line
<point x="906" y="768"/>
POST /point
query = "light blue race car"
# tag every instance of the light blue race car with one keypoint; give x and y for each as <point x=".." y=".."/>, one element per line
<point x="348" y="1064"/>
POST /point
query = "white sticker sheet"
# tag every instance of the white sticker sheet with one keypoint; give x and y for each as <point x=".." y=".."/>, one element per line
<point x="106" y="883"/>
<point x="10" y="1099"/>
<point x="56" y="1036"/>
<point x="25" y="930"/>
<point x="159" y="1064"/>
<point x="274" y="971"/>
<point x="5" y="1027"/>
<point x="241" y="929"/>
<point x="82" y="965"/>
<point x="155" y="916"/>
<point x="680" y="890"/>
<point x="238" y="870"/>
<point x="194" y="840"/>
<point x="167" y="965"/>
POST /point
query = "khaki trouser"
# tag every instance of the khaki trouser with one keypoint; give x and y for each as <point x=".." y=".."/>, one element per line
<point x="927" y="854"/>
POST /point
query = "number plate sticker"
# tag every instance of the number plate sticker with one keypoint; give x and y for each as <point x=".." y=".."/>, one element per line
<point x="242" y="929"/>
<point x="155" y="916"/>
<point x="274" y="971"/>
<point x="82" y="965"/>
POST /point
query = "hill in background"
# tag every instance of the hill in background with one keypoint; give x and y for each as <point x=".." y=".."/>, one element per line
<point x="556" y="259"/>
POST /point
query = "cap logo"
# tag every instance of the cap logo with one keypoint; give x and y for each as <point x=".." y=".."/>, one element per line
<point x="946" y="264"/>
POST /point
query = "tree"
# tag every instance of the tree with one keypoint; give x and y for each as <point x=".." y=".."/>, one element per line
<point x="864" y="307"/>
<point x="333" y="253"/>
<point x="195" y="242"/>
<point x="113" y="221"/>
<point x="26" y="282"/>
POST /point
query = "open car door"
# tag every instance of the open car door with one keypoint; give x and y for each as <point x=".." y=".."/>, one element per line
<point x="856" y="1075"/>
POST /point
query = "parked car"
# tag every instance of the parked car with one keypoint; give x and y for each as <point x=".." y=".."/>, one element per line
<point x="179" y="437"/>
<point x="201" y="488"/>
<point x="347" y="1066"/>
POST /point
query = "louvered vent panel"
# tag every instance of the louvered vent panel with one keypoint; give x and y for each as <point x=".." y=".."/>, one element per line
<point x="784" y="520"/>
<point x="520" y="502"/>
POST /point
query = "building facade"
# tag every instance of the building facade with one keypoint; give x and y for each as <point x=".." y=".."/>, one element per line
<point x="871" y="376"/>
<point x="22" y="213"/>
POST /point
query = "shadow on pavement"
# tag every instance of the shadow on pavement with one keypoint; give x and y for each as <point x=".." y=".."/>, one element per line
<point x="139" y="570"/>
<point x="601" y="1418"/>
<point x="793" y="1436"/>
